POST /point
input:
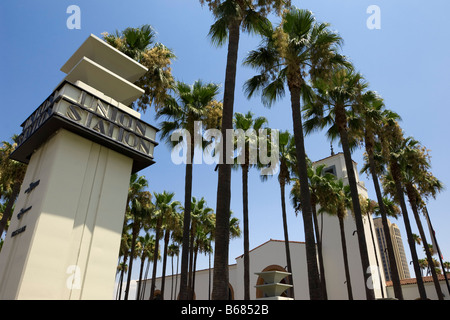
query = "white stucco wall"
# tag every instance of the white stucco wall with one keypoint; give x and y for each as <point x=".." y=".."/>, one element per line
<point x="74" y="227"/>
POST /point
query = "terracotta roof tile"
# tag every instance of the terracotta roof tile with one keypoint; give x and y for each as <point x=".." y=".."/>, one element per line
<point x="414" y="280"/>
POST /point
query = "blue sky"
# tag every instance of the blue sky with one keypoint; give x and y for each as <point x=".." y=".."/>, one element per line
<point x="406" y="61"/>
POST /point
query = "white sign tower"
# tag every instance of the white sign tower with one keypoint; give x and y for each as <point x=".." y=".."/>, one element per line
<point x="81" y="146"/>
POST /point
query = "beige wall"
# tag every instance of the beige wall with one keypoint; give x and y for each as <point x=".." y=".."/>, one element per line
<point x="411" y="292"/>
<point x="76" y="217"/>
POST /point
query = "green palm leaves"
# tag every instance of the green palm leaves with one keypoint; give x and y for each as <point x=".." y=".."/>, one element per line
<point x="231" y="16"/>
<point x="250" y="15"/>
<point x="247" y="142"/>
<point x="191" y="103"/>
<point x="247" y="148"/>
<point x="139" y="44"/>
<point x="298" y="47"/>
<point x="132" y="41"/>
<point x="12" y="174"/>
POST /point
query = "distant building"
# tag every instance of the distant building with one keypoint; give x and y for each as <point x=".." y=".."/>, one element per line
<point x="399" y="251"/>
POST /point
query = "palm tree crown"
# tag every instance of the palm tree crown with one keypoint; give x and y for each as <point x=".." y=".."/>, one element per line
<point x="139" y="44"/>
<point x="191" y="104"/>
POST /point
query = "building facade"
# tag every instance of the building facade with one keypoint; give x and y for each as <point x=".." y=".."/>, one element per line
<point x="399" y="250"/>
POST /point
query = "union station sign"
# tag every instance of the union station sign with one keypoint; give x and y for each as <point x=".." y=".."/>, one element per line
<point x="75" y="109"/>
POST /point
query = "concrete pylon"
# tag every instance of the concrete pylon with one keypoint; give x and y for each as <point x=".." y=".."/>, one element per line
<point x="81" y="146"/>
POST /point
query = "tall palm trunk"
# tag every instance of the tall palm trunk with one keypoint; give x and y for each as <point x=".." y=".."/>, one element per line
<point x="220" y="281"/>
<point x="437" y="248"/>
<point x="286" y="238"/>
<point x="139" y="286"/>
<point x="342" y="127"/>
<point x="194" y="268"/>
<point x="246" y="233"/>
<point x="184" y="287"/>
<point x="122" y="272"/>
<point x="155" y="256"/>
<point x="209" y="276"/>
<point x="374" y="245"/>
<point x="130" y="267"/>
<point x="413" y="202"/>
<point x="144" y="286"/>
<point x="163" y="279"/>
<point x="315" y="292"/>
<point x="191" y="261"/>
<point x="172" y="280"/>
<point x="412" y="246"/>
<point x="323" y="283"/>
<point x="392" y="260"/>
<point x="175" y="279"/>
<point x="345" y="256"/>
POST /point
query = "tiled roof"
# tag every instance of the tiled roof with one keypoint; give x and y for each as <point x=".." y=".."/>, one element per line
<point x="414" y="280"/>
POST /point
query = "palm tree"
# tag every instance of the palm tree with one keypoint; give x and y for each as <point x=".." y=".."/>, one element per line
<point x="417" y="239"/>
<point x="392" y="209"/>
<point x="286" y="156"/>
<point x="174" y="250"/>
<point x="177" y="239"/>
<point x="122" y="268"/>
<point x="430" y="187"/>
<point x="334" y="96"/>
<point x="202" y="227"/>
<point x="150" y="259"/>
<point x="191" y="105"/>
<point x="339" y="201"/>
<point x="12" y="174"/>
<point x="165" y="205"/>
<point x="146" y="245"/>
<point x="139" y="44"/>
<point x="247" y="124"/>
<point x="415" y="165"/>
<point x="299" y="45"/>
<point x="320" y="186"/>
<point x="231" y="16"/>
<point x="373" y="117"/>
<point x="368" y="208"/>
<point x="124" y="252"/>
<point x="171" y="222"/>
<point x="423" y="263"/>
<point x="446" y="266"/>
<point x="393" y="146"/>
<point x="139" y="210"/>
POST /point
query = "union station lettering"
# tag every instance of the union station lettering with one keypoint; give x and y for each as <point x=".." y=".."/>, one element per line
<point x="76" y="109"/>
<point x="112" y="123"/>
